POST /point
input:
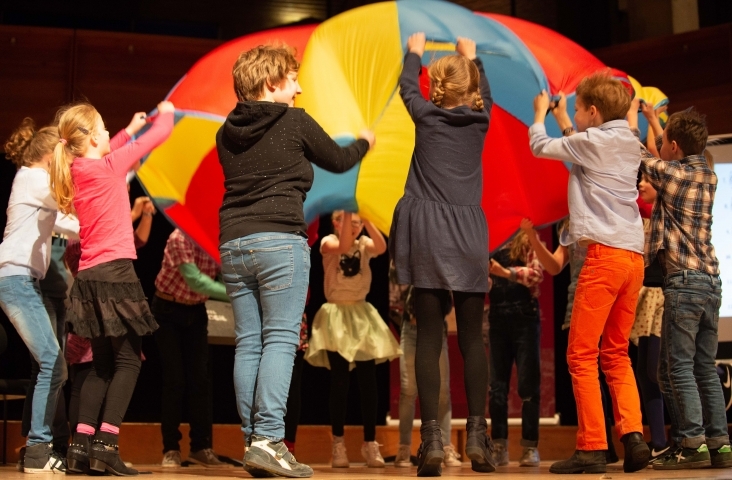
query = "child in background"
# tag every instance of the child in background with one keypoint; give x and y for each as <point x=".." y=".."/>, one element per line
<point x="605" y="217"/>
<point x="348" y="332"/>
<point x="24" y="259"/>
<point x="681" y="240"/>
<point x="108" y="305"/>
<point x="514" y="333"/>
<point x="439" y="236"/>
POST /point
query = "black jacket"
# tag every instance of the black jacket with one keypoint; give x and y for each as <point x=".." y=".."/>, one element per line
<point x="265" y="150"/>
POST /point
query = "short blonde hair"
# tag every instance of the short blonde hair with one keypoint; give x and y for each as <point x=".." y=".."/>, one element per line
<point x="455" y="81"/>
<point x="606" y="93"/>
<point x="27" y="145"/>
<point x="76" y="124"/>
<point x="262" y="65"/>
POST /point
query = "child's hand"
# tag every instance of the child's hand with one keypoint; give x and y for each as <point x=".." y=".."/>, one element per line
<point x="466" y="48"/>
<point x="526" y="225"/>
<point x="148" y="207"/>
<point x="560" y="107"/>
<point x="138" y="121"/>
<point x="498" y="270"/>
<point x="416" y="43"/>
<point x="541" y="102"/>
<point x="166" y="107"/>
<point x="648" y="111"/>
<point x="369" y="136"/>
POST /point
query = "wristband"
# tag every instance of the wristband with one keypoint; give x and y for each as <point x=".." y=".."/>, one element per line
<point x="568" y="131"/>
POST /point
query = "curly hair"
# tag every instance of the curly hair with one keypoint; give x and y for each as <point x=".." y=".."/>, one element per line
<point x="455" y="81"/>
<point x="27" y="145"/>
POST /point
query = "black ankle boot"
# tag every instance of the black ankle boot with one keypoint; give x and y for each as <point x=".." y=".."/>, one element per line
<point x="104" y="456"/>
<point x="479" y="447"/>
<point x="430" y="454"/>
<point x="77" y="458"/>
<point x="637" y="453"/>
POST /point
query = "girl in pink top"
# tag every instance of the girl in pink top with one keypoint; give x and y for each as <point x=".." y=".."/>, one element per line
<point x="108" y="305"/>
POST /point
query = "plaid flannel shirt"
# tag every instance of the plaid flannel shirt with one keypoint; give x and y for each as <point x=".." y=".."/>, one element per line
<point x="180" y="250"/>
<point x="681" y="220"/>
<point x="531" y="275"/>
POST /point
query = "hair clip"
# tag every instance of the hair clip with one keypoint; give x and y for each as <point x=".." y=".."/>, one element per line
<point x="83" y="130"/>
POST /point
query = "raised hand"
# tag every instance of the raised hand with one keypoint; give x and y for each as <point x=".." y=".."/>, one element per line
<point x="138" y="121"/>
<point x="166" y="107"/>
<point x="416" y="43"/>
<point x="466" y="47"/>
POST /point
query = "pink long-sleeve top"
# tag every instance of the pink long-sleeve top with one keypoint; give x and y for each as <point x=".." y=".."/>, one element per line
<point x="101" y="200"/>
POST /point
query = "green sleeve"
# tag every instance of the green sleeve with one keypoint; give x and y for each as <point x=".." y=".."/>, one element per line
<point x="201" y="283"/>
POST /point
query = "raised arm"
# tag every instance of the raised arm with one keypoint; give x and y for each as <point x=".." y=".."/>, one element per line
<point x="553" y="262"/>
<point x="324" y="152"/>
<point x="341" y="243"/>
<point x="409" y="79"/>
<point x="466" y="47"/>
<point x="124" y="158"/>
<point x="376" y="245"/>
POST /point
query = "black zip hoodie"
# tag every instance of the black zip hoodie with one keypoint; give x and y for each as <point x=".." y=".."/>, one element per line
<point x="265" y="150"/>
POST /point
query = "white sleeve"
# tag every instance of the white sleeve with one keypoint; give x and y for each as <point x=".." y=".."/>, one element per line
<point x="569" y="149"/>
<point x="38" y="189"/>
<point x="67" y="225"/>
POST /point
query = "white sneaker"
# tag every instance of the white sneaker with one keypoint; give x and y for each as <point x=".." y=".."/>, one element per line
<point x="452" y="458"/>
<point x="403" y="457"/>
<point x="171" y="459"/>
<point x="372" y="455"/>
<point x="340" y="457"/>
<point x="530" y="457"/>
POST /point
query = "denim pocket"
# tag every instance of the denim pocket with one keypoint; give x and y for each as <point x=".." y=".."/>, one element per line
<point x="275" y="266"/>
<point x="688" y="309"/>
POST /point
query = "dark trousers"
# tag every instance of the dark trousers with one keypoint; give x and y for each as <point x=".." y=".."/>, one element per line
<point x="182" y="340"/>
<point x="112" y="380"/>
<point x="77" y="374"/>
<point x="649" y="351"/>
<point x="339" y="381"/>
<point x="514" y="337"/>
<point x="430" y="330"/>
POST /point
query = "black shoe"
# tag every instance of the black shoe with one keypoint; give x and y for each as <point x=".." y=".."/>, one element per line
<point x="721" y="457"/>
<point x="104" y="456"/>
<point x="592" y="461"/>
<point x="685" y="458"/>
<point x="40" y="458"/>
<point x="478" y="446"/>
<point x="637" y="453"/>
<point x="430" y="454"/>
<point x="77" y="458"/>
<point x="657" y="453"/>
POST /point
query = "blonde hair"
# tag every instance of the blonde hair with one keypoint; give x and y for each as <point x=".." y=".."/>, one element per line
<point x="27" y="145"/>
<point x="76" y="123"/>
<point x="455" y="81"/>
<point x="262" y="65"/>
<point x="519" y="247"/>
<point x="606" y="93"/>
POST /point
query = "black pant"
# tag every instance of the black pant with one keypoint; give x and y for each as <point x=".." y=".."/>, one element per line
<point x="294" y="404"/>
<point x="77" y="374"/>
<point x="514" y="336"/>
<point x="183" y="344"/>
<point x="430" y="330"/>
<point x="112" y="380"/>
<point x="339" y="380"/>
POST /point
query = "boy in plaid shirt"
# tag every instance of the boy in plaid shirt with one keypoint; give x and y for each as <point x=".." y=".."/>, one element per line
<point x="681" y="238"/>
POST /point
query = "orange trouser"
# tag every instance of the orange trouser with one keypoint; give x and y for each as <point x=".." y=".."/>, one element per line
<point x="604" y="306"/>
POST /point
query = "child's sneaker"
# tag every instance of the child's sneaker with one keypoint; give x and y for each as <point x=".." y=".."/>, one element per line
<point x="41" y="458"/>
<point x="530" y="457"/>
<point x="452" y="458"/>
<point x="721" y="457"/>
<point x="683" y="458"/>
<point x="657" y="452"/>
<point x="500" y="453"/>
<point x="372" y="455"/>
<point x="403" y="457"/>
<point x="340" y="456"/>
<point x="171" y="459"/>
<point x="264" y="455"/>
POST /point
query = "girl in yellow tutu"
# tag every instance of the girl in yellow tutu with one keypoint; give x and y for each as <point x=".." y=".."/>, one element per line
<point x="348" y="332"/>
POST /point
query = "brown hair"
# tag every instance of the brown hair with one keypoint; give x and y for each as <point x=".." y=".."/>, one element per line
<point x="76" y="123"/>
<point x="519" y="246"/>
<point x="455" y="81"/>
<point x="265" y="64"/>
<point x="689" y="130"/>
<point x="607" y="94"/>
<point x="27" y="145"/>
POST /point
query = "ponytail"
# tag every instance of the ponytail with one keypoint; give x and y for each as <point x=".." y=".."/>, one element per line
<point x="477" y="103"/>
<point x="75" y="125"/>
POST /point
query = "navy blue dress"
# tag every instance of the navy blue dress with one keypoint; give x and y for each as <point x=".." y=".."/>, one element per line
<point x="439" y="234"/>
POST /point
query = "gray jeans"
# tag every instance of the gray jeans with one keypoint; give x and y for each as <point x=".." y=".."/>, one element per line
<point x="408" y="393"/>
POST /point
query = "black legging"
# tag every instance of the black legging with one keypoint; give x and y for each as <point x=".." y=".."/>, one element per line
<point x="339" y="380"/>
<point x="112" y="380"/>
<point x="430" y="329"/>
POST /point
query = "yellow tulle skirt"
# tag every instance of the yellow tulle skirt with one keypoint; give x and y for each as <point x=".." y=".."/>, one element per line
<point x="356" y="331"/>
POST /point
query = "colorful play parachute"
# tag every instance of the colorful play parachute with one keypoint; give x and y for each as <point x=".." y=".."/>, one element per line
<point x="349" y="72"/>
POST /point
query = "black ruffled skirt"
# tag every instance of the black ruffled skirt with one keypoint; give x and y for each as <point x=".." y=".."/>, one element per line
<point x="107" y="300"/>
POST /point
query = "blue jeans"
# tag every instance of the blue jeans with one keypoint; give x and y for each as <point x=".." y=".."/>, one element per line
<point x="266" y="276"/>
<point x="20" y="299"/>
<point x="686" y="373"/>
<point x="408" y="391"/>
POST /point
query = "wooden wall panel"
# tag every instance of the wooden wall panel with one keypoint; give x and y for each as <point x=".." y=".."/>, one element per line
<point x="693" y="68"/>
<point x="121" y="73"/>
<point x="35" y="68"/>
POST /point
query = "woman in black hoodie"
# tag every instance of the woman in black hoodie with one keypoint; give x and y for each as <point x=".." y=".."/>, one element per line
<point x="266" y="148"/>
